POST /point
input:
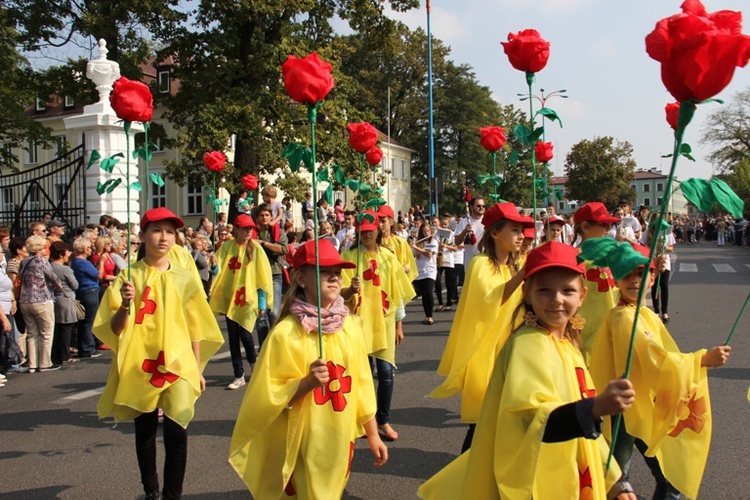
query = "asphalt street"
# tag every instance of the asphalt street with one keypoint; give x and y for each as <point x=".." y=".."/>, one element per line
<point x="52" y="445"/>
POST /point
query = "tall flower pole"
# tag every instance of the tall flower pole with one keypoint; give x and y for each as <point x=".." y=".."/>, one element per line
<point x="678" y="42"/>
<point x="431" y="135"/>
<point x="492" y="139"/>
<point x="308" y="81"/>
<point x="215" y="161"/>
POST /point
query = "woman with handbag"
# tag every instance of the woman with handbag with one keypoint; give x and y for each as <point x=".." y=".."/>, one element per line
<point x="66" y="314"/>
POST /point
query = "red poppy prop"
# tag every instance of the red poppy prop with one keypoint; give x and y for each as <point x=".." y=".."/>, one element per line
<point x="698" y="51"/>
<point x="493" y="138"/>
<point x="336" y="389"/>
<point x="215" y="161"/>
<point x="673" y="112"/>
<point x="543" y="151"/>
<point x="307" y="80"/>
<point x="374" y="155"/>
<point x="362" y="136"/>
<point x="132" y="100"/>
<point x="250" y="182"/>
<point x="527" y="50"/>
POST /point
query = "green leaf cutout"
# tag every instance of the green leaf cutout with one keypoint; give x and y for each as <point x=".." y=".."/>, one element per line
<point x="322" y="175"/>
<point x="522" y="133"/>
<point x="685" y="151"/>
<point x="136" y="186"/>
<point x="108" y="164"/>
<point x="338" y="174"/>
<point x="352" y="184"/>
<point x="375" y="203"/>
<point x="113" y="183"/>
<point x="307" y="159"/>
<point x="329" y="194"/>
<point x="293" y="152"/>
<point x="536" y="135"/>
<point x="550" y="114"/>
<point x="363" y="216"/>
<point x="95" y="156"/>
<point x="513" y="158"/>
<point x="157" y="179"/>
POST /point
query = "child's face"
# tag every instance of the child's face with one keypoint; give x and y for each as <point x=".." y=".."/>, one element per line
<point x="555" y="295"/>
<point x="631" y="284"/>
<point x="555" y="230"/>
<point x="368" y="238"/>
<point x="330" y="284"/>
<point x="159" y="237"/>
<point x="591" y="229"/>
<point x="526" y="245"/>
<point x="510" y="237"/>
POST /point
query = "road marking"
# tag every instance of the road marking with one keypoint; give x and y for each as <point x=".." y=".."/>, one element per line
<point x="79" y="396"/>
<point x="221" y="355"/>
<point x="688" y="268"/>
<point x="723" y="268"/>
<point x="747" y="265"/>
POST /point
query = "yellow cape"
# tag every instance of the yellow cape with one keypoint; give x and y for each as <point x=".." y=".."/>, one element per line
<point x="385" y="287"/>
<point x="234" y="291"/>
<point x="307" y="448"/>
<point x="153" y="365"/>
<point x="534" y="374"/>
<point x="400" y="247"/>
<point x="180" y="256"/>
<point x="601" y="297"/>
<point x="672" y="409"/>
<point x="479" y="331"/>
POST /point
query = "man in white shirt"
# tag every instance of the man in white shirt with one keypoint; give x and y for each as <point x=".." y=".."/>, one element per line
<point x="469" y="230"/>
<point x="346" y="234"/>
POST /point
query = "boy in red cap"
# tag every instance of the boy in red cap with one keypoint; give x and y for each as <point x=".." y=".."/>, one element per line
<point x="242" y="290"/>
<point x="539" y="431"/>
<point x="324" y="404"/>
<point x="162" y="334"/>
<point x="670" y="421"/>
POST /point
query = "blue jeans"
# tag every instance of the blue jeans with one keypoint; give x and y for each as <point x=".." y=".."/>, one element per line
<point x="385" y="390"/>
<point x="86" y="341"/>
<point x="277" y="280"/>
<point x="237" y="333"/>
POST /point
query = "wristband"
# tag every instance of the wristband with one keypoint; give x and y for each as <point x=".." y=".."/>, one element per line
<point x="125" y="307"/>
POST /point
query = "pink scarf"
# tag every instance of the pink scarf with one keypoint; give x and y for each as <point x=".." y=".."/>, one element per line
<point x="331" y="319"/>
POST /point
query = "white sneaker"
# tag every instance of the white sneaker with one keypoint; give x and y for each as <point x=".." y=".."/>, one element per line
<point x="3" y="377"/>
<point x="236" y="383"/>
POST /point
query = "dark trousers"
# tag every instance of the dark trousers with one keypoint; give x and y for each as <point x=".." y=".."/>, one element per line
<point x="385" y="389"/>
<point x="90" y="301"/>
<point x="175" y="448"/>
<point x="61" y="342"/>
<point x="460" y="275"/>
<point x="426" y="288"/>
<point x="468" y="438"/>
<point x="660" y="293"/>
<point x="451" y="287"/>
<point x="238" y="334"/>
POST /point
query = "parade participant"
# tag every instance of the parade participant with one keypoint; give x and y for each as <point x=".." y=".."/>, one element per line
<point x="446" y="267"/>
<point x="385" y="287"/>
<point x="593" y="221"/>
<point x="483" y="318"/>
<point x="162" y="334"/>
<point x="670" y="421"/>
<point x="470" y="229"/>
<point x="324" y="404"/>
<point x="538" y="434"/>
<point x="528" y="243"/>
<point x="553" y="229"/>
<point x="274" y="244"/>
<point x="242" y="290"/>
<point x="347" y="234"/>
<point x="425" y="250"/>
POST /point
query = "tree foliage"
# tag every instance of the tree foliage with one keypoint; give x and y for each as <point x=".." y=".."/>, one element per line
<point x="739" y="181"/>
<point x="600" y="169"/>
<point x="727" y="131"/>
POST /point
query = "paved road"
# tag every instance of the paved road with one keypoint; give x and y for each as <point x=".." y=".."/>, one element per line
<point x="52" y="445"/>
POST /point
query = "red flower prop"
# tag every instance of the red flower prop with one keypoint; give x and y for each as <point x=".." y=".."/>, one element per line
<point x="362" y="136"/>
<point x="250" y="182"/>
<point x="493" y="138"/>
<point x="527" y="51"/>
<point x="673" y="112"/>
<point x="602" y="276"/>
<point x="698" y="51"/>
<point x="240" y="298"/>
<point x="307" y="80"/>
<point x="234" y="264"/>
<point x="149" y="306"/>
<point x="132" y="100"/>
<point x="384" y="301"/>
<point x="215" y="161"/>
<point x="543" y="152"/>
<point x="158" y="377"/>
<point x="374" y="155"/>
<point x="336" y="388"/>
<point x="372" y="273"/>
<point x="691" y="413"/>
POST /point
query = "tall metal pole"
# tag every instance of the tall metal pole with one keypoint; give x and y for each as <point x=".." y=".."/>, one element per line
<point x="390" y="159"/>
<point x="433" y="194"/>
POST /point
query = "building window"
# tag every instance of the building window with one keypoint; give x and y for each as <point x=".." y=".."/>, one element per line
<point x="647" y="202"/>
<point x="572" y="205"/>
<point x="69" y="102"/>
<point x="646" y="188"/>
<point x="561" y="205"/>
<point x="158" y="195"/>
<point x="34" y="198"/>
<point x="40" y="104"/>
<point x="59" y="193"/>
<point x="394" y="172"/>
<point x="634" y="186"/>
<point x="164" y="81"/>
<point x="8" y="204"/>
<point x="61" y="144"/>
<point x="659" y="186"/>
<point x="658" y="201"/>
<point x="404" y="170"/>
<point x="194" y="198"/>
<point x="32" y="154"/>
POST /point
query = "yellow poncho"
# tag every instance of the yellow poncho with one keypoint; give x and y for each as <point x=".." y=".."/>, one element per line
<point x="180" y="256"/>
<point x="601" y="297"/>
<point x="534" y="374"/>
<point x="400" y="247"/>
<point x="672" y="409"/>
<point x="234" y="291"/>
<point x="153" y="365"/>
<point x="385" y="287"/>
<point x="306" y="449"/>
<point x="479" y="331"/>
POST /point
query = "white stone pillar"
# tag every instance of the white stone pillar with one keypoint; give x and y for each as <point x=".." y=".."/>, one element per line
<point x="104" y="133"/>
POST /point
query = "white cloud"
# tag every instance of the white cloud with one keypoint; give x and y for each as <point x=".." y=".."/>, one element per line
<point x="603" y="48"/>
<point x="544" y="7"/>
<point x="445" y="25"/>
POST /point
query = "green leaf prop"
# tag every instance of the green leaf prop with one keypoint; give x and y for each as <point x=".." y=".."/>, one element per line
<point x="685" y="151"/>
<point x="496" y="198"/>
<point x="95" y="156"/>
<point x="108" y="164"/>
<point x="513" y="158"/>
<point x="558" y="194"/>
<point x="338" y="174"/>
<point x="329" y="192"/>
<point x="322" y="175"/>
<point x="620" y="258"/>
<point x="136" y="186"/>
<point x="363" y="216"/>
<point x="209" y="199"/>
<point x="727" y="198"/>
<point x="375" y="203"/>
<point x="293" y="152"/>
<point x="550" y="114"/>
<point x="308" y="159"/>
<point x="482" y="179"/>
<point x="522" y="133"/>
<point x="352" y="184"/>
<point x="157" y="179"/>
<point x="535" y="135"/>
<point x="365" y="189"/>
<point x="699" y="193"/>
<point x="113" y="183"/>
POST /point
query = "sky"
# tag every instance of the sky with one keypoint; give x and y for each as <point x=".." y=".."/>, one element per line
<point x="597" y="54"/>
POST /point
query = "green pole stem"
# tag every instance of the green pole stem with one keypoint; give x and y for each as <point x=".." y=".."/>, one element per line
<point x="361" y="209"/>
<point x="147" y="180"/>
<point x="530" y="82"/>
<point x="126" y="126"/>
<point x="216" y="196"/>
<point x="736" y="322"/>
<point x="494" y="173"/>
<point x="312" y="114"/>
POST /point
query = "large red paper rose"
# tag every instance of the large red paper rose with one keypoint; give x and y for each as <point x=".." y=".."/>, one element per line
<point x="543" y="152"/>
<point x="132" y="100"/>
<point x="493" y="138"/>
<point x="698" y="51"/>
<point x="362" y="136"/>
<point x="527" y="50"/>
<point x="215" y="161"/>
<point x="307" y="80"/>
<point x="374" y="155"/>
<point x="673" y="112"/>
<point x="250" y="182"/>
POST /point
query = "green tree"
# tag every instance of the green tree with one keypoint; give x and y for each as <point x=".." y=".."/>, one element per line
<point x="739" y="181"/>
<point x="600" y="169"/>
<point x="727" y="131"/>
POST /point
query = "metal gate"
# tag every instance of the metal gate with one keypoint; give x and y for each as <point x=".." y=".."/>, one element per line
<point x="58" y="187"/>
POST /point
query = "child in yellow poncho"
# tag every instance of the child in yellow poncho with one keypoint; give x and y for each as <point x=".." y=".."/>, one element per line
<point x="483" y="319"/>
<point x="538" y="434"/>
<point x="162" y="334"/>
<point x="670" y="421"/>
<point x="296" y="430"/>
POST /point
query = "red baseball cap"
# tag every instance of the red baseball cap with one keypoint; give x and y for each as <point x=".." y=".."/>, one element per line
<point x="552" y="254"/>
<point x="506" y="210"/>
<point x="554" y="218"/>
<point x="646" y="252"/>
<point x="244" y="220"/>
<point x="386" y="211"/>
<point x="327" y="255"/>
<point x="594" y="211"/>
<point x="529" y="232"/>
<point x="159" y="214"/>
<point x="365" y="225"/>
